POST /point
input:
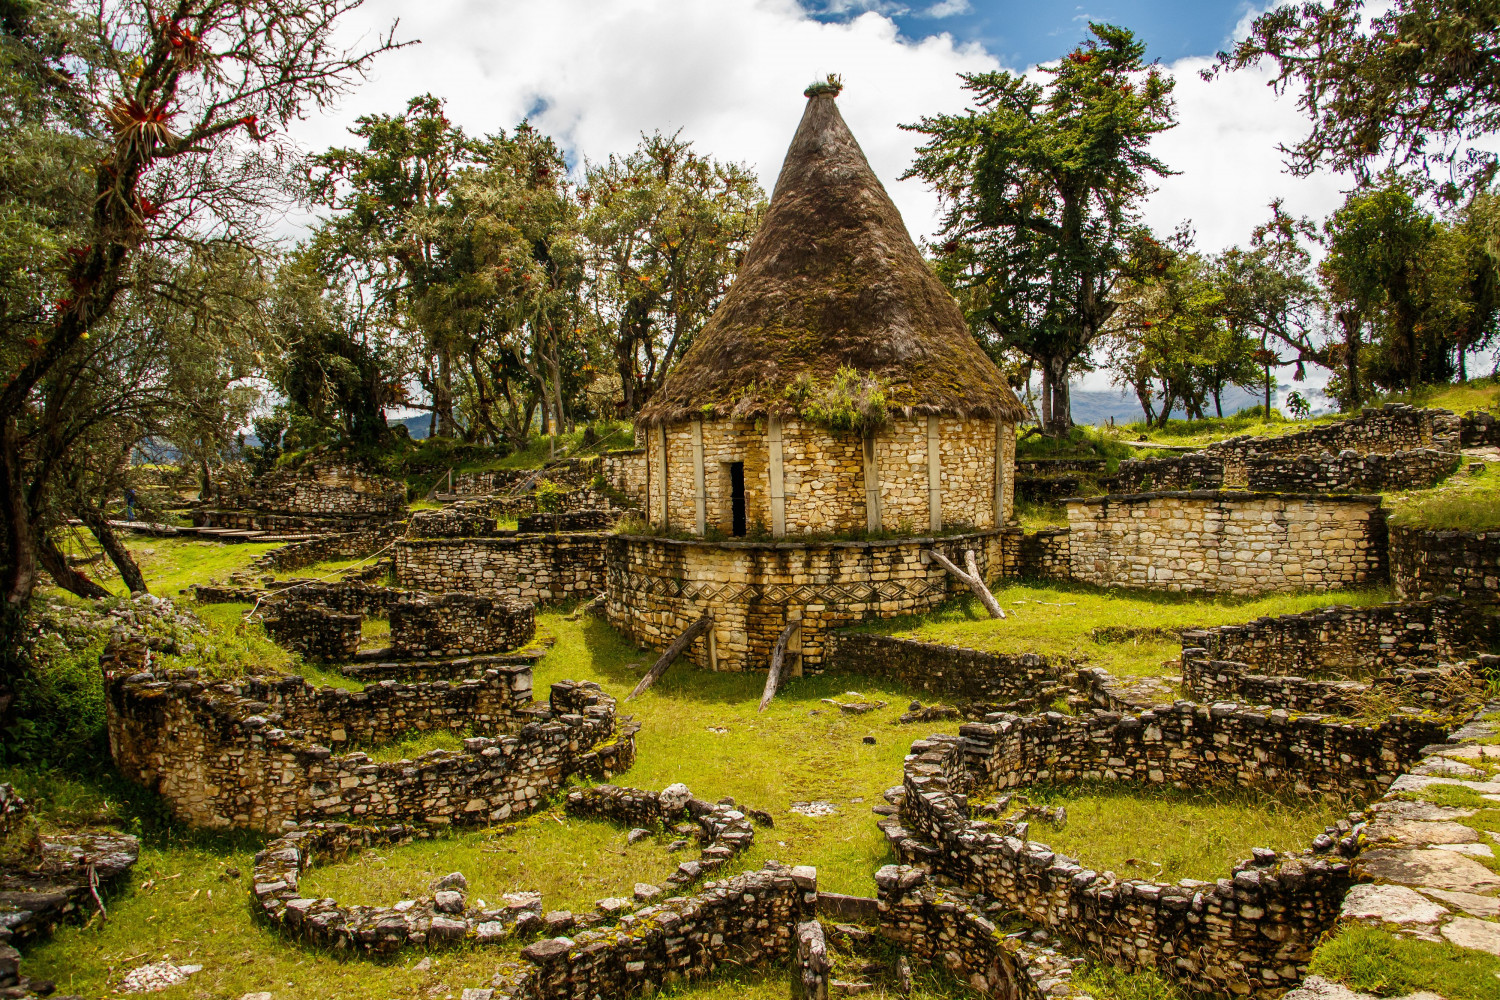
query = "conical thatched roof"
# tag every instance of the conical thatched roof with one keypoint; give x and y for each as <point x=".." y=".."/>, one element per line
<point x="832" y="279"/>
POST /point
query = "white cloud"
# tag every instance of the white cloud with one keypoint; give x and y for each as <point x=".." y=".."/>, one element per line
<point x="948" y="8"/>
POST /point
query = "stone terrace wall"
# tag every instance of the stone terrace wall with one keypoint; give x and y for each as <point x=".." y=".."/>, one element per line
<point x="1194" y="471"/>
<point x="1481" y="430"/>
<point x="458" y="625"/>
<point x="1391" y="428"/>
<point x="537" y="569"/>
<point x="1350" y="471"/>
<point x="1440" y="689"/>
<point x="224" y="755"/>
<point x="338" y="492"/>
<point x="315" y="632"/>
<point x="1019" y="681"/>
<point x="625" y="471"/>
<point x="1043" y="555"/>
<point x="1457" y="563"/>
<point x="1353" y="642"/>
<point x="657" y="587"/>
<point x="1231" y="543"/>
<point x="344" y="545"/>
<point x="1252" y="933"/>
<point x="344" y="597"/>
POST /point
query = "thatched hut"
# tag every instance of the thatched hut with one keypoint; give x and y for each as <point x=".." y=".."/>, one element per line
<point x="837" y="388"/>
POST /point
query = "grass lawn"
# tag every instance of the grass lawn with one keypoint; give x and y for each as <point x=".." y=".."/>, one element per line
<point x="1127" y="632"/>
<point x="1373" y="961"/>
<point x="1462" y="501"/>
<point x="1166" y="834"/>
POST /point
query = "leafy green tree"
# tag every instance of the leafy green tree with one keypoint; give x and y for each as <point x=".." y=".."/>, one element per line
<point x="1412" y="87"/>
<point x="1041" y="186"/>
<point x="666" y="231"/>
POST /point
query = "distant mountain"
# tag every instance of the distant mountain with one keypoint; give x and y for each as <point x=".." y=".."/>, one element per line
<point x="1098" y="406"/>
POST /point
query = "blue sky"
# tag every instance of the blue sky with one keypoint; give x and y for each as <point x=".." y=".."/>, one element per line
<point x="1022" y="33"/>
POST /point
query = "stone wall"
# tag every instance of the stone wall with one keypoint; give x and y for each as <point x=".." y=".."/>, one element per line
<point x="1043" y="467"/>
<point x="343" y="597"/>
<point x="1043" y="555"/>
<point x="625" y="471"/>
<point x="824" y="479"/>
<point x="1230" y="543"/>
<point x="1456" y="563"/>
<point x="1193" y="471"/>
<point x="255" y="754"/>
<point x="657" y="587"/>
<point x="344" y="545"/>
<point x="458" y="625"/>
<point x="1481" y="430"/>
<point x="1047" y="489"/>
<point x="1441" y="689"/>
<point x="1377" y="430"/>
<point x="326" y="491"/>
<point x="1251" y="933"/>
<point x="578" y="520"/>
<point x="465" y="519"/>
<point x="1350" y="471"/>
<point x="536" y="569"/>
<point x="315" y="632"/>
<point x="1348" y="642"/>
<point x="1017" y="681"/>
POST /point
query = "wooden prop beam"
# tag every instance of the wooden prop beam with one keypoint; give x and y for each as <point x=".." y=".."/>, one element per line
<point x="972" y="578"/>
<point x="778" y="657"/>
<point x="690" y="633"/>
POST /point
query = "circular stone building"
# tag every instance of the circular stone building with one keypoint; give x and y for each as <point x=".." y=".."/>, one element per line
<point x="835" y="396"/>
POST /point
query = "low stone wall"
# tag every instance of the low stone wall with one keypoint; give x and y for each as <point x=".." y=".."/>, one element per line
<point x="1354" y="642"/>
<point x="1377" y="430"/>
<point x="1046" y="490"/>
<point x="1252" y="933"/>
<point x="465" y="519"/>
<point x="1193" y="471"/>
<point x="1043" y="555"/>
<point x="315" y="632"/>
<point x="1428" y="564"/>
<point x="579" y="520"/>
<point x="1053" y="466"/>
<point x="344" y="545"/>
<point x="1230" y="543"/>
<point x="458" y="625"/>
<point x="255" y="753"/>
<point x="1019" y="681"/>
<point x="1350" y="471"/>
<point x="537" y="569"/>
<point x="625" y="471"/>
<point x="1481" y="430"/>
<point x="657" y="587"/>
<point x="286" y="524"/>
<point x="1440" y="689"/>
<point x="337" y="492"/>
<point x="344" y="597"/>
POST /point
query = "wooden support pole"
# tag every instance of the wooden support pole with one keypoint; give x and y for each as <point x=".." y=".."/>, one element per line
<point x="661" y="450"/>
<point x="934" y="476"/>
<point x="673" y="652"/>
<point x="700" y="497"/>
<point x="872" y="485"/>
<point x="972" y="578"/>
<point x="778" y="657"/>
<point x="999" y="472"/>
<point x="777" y="473"/>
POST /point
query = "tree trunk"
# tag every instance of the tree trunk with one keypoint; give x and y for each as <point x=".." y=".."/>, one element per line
<point x="1045" y="416"/>
<point x="65" y="576"/>
<point x="18" y="559"/>
<point x="1062" y="407"/>
<point x="117" y="552"/>
<point x="442" y="394"/>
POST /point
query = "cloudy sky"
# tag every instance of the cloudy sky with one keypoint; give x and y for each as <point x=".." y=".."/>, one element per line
<point x="730" y="73"/>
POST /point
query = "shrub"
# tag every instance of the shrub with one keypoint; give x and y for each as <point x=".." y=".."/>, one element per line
<point x="549" y="496"/>
<point x="851" y="401"/>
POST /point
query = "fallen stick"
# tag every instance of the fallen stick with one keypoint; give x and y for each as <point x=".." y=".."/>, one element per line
<point x="974" y="580"/>
<point x="778" y="655"/>
<point x="673" y="651"/>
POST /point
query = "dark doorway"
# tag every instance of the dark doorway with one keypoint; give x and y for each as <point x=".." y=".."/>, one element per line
<point x="737" y="498"/>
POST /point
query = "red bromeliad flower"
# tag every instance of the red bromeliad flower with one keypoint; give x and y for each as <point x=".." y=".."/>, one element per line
<point x="149" y="209"/>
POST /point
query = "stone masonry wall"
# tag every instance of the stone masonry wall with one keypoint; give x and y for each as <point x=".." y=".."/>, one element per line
<point x="458" y="625"/>
<point x="1391" y="428"/>
<point x="315" y="632"/>
<point x="227" y="755"/>
<point x="1481" y="430"/>
<point x="1252" y="933"/>
<point x="1441" y="688"/>
<point x="1043" y="555"/>
<point x="823" y="475"/>
<point x="1231" y="543"/>
<point x="1194" y="471"/>
<point x="329" y="491"/>
<point x="657" y="587"/>
<point x="625" y="471"/>
<point x="1350" y="642"/>
<point x="536" y="569"/>
<point x="1020" y="681"/>
<point x="1456" y="563"/>
<point x="1350" y="471"/>
<point x="344" y="545"/>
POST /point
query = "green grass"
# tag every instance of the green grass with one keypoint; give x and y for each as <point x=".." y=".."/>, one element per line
<point x="1031" y="516"/>
<point x="1374" y="961"/>
<point x="1461" y="397"/>
<point x="1166" y="834"/>
<point x="1106" y="982"/>
<point x="1082" y="441"/>
<point x="1201" y="432"/>
<point x="413" y="745"/>
<point x="1127" y="632"/>
<point x="1461" y="502"/>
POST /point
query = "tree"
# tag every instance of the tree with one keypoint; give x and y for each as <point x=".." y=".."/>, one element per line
<point x="1041" y="187"/>
<point x="140" y="137"/>
<point x="1412" y="88"/>
<point x="667" y="229"/>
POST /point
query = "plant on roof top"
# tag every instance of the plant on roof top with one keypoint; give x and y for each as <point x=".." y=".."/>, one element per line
<point x="832" y="85"/>
<point x="851" y="401"/>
